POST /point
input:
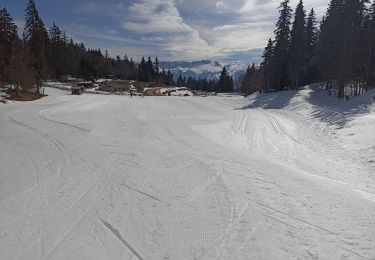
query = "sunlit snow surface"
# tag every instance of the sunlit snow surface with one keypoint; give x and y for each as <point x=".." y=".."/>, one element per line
<point x="286" y="175"/>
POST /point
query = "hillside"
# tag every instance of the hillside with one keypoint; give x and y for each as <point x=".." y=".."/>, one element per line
<point x="286" y="175"/>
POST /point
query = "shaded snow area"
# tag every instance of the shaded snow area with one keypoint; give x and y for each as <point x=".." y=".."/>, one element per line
<point x="285" y="175"/>
<point x="58" y="85"/>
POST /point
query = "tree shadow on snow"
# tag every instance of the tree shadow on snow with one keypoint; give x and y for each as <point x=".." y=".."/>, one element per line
<point x="339" y="111"/>
<point x="322" y="106"/>
<point x="275" y="100"/>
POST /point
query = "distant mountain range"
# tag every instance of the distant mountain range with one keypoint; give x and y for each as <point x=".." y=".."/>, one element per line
<point x="205" y="69"/>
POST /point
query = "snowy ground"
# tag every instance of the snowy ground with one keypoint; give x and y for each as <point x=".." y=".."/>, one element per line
<point x="274" y="176"/>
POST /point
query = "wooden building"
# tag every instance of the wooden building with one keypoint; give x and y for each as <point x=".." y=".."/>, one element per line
<point x="77" y="90"/>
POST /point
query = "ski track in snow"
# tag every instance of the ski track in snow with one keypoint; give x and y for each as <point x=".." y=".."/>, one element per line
<point x="109" y="177"/>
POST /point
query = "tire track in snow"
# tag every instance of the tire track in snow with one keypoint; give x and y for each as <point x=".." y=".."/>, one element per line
<point x="303" y="222"/>
<point x="141" y="192"/>
<point x="101" y="185"/>
<point x="251" y="235"/>
<point x="118" y="235"/>
<point x="257" y="138"/>
<point x="295" y="218"/>
<point x="35" y="166"/>
<point x="42" y="114"/>
<point x="241" y="129"/>
<point x="276" y="126"/>
<point x="228" y="232"/>
<point x="55" y="142"/>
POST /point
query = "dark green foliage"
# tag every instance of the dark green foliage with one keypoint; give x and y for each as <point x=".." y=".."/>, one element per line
<point x="35" y="37"/>
<point x="266" y="66"/>
<point x="8" y="38"/>
<point x="312" y="36"/>
<point x="342" y="51"/>
<point x="197" y="84"/>
<point x="338" y="51"/>
<point x="225" y="83"/>
<point x="282" y="45"/>
<point x="147" y="71"/>
<point x="51" y="54"/>
<point x="312" y="33"/>
<point x="249" y="83"/>
<point x="298" y="48"/>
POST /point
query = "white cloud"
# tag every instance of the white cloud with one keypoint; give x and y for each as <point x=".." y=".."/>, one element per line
<point x="207" y="29"/>
<point x="221" y="6"/>
<point x="162" y="17"/>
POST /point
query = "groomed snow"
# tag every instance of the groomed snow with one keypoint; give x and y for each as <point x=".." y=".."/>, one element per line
<point x="274" y="176"/>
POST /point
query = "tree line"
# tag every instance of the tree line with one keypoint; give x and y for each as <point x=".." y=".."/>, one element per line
<point x="223" y="85"/>
<point x="43" y="53"/>
<point x="340" y="50"/>
<point x="48" y="53"/>
<point x="197" y="84"/>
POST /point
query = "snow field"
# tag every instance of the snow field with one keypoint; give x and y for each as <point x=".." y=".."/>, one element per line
<point x="273" y="176"/>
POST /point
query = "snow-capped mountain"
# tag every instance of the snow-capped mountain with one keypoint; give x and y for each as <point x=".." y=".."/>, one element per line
<point x="205" y="69"/>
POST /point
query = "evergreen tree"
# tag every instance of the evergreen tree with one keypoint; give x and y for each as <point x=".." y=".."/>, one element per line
<point x="370" y="55"/>
<point x="36" y="40"/>
<point x="156" y="65"/>
<point x="8" y="37"/>
<point x="150" y="73"/>
<point x="249" y="85"/>
<point x="266" y="65"/>
<point x="170" y="81"/>
<point x="298" y="50"/>
<point x="368" y="45"/>
<point x="312" y="35"/>
<point x="225" y="83"/>
<point x="282" y="44"/>
<point x="180" y="81"/>
<point x="142" y="70"/>
<point x="20" y="63"/>
<point x="56" y="51"/>
<point x="339" y="45"/>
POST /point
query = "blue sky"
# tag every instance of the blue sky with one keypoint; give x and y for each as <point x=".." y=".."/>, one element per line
<point x="223" y="30"/>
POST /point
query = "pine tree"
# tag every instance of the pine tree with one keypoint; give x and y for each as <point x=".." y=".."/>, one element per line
<point x="282" y="44"/>
<point x="156" y="66"/>
<point x="21" y="75"/>
<point x="312" y="33"/>
<point x="8" y="36"/>
<point x="170" y="81"/>
<point x="56" y="50"/>
<point x="180" y="82"/>
<point x="339" y="45"/>
<point x="36" y="40"/>
<point x="142" y="70"/>
<point x="312" y="36"/>
<point x="367" y="54"/>
<point x="298" y="50"/>
<point x="248" y="85"/>
<point x="225" y="83"/>
<point x="370" y="55"/>
<point x="266" y="65"/>
<point x="150" y="73"/>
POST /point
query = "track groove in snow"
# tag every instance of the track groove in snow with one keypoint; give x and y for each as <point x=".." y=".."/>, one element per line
<point x="117" y="234"/>
<point x="271" y="176"/>
<point x="60" y="146"/>
<point x="43" y="114"/>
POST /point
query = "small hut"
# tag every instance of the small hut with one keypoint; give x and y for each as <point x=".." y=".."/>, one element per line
<point x="77" y="90"/>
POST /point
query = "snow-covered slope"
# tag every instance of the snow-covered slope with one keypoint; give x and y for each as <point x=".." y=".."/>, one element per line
<point x="273" y="176"/>
<point x="205" y="69"/>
